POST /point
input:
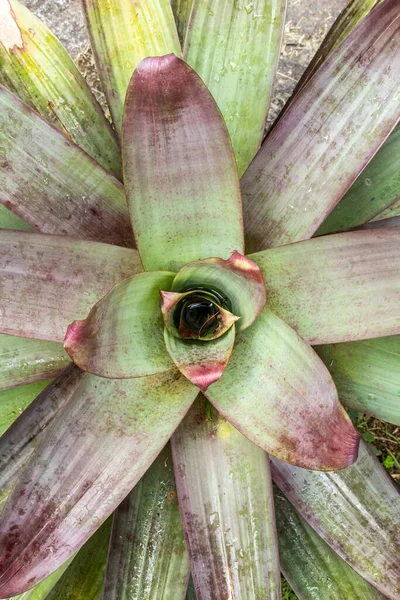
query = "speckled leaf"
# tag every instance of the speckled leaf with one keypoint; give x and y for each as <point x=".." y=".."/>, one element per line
<point x="376" y="189"/>
<point x="202" y="362"/>
<point x="225" y="498"/>
<point x="181" y="10"/>
<point x="356" y="511"/>
<point x="172" y="124"/>
<point x="15" y="400"/>
<point x="35" y="66"/>
<point x="122" y="33"/>
<point x="234" y="47"/>
<point x="24" y="360"/>
<point x="123" y="335"/>
<point x="95" y="450"/>
<point x="42" y="590"/>
<point x="84" y="578"/>
<point x="148" y="557"/>
<point x="313" y="569"/>
<point x="336" y="288"/>
<point x="330" y="132"/>
<point x="367" y="375"/>
<point x="50" y="183"/>
<point x="47" y="281"/>
<point x="278" y="393"/>
<point x="8" y="220"/>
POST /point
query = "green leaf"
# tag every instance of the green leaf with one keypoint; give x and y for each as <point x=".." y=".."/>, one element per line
<point x="382" y="223"/>
<point x="52" y="184"/>
<point x="225" y="497"/>
<point x="336" y="288"/>
<point x="313" y="569"/>
<point x="123" y="336"/>
<point x="191" y="594"/>
<point x="277" y="392"/>
<point x="172" y="124"/>
<point x="10" y="221"/>
<point x="390" y="212"/>
<point x="331" y="130"/>
<point x="148" y="557"/>
<point x="15" y="400"/>
<point x="356" y="511"/>
<point x="96" y="449"/>
<point x="367" y="375"/>
<point x="377" y="188"/>
<point x="47" y="281"/>
<point x="84" y="578"/>
<point x="25" y="360"/>
<point x="40" y="71"/>
<point x="181" y="10"/>
<point x="234" y="47"/>
<point x="122" y="33"/>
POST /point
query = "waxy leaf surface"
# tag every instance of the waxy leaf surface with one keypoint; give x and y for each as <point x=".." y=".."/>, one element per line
<point x="47" y="281"/>
<point x="122" y="33"/>
<point x="225" y="498"/>
<point x="367" y="375"/>
<point x="278" y="393"/>
<point x="336" y="288"/>
<point x="52" y="184"/>
<point x="331" y="130"/>
<point x="96" y="449"/>
<point x="173" y="126"/>
<point x="148" y="556"/>
<point x="356" y="511"/>
<point x="123" y="336"/>
<point x="35" y="66"/>
<point x="234" y="47"/>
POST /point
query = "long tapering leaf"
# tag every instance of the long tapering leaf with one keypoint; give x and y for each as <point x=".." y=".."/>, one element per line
<point x="367" y="375"/>
<point x="37" y="68"/>
<point x="52" y="184"/>
<point x="48" y="281"/>
<point x="225" y="497"/>
<point x="148" y="557"/>
<point x="122" y="33"/>
<point x="331" y="130"/>
<point x="43" y="589"/>
<point x="313" y="569"/>
<point x="356" y="511"/>
<point x="234" y="47"/>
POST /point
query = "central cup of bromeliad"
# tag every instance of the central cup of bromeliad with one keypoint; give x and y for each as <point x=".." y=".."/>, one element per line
<point x="201" y="313"/>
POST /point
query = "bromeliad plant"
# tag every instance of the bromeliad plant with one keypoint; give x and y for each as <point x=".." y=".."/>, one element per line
<point x="204" y="332"/>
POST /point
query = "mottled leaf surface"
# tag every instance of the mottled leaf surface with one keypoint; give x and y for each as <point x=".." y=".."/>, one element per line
<point x="47" y="281"/>
<point x="42" y="590"/>
<point x="336" y="288"/>
<point x="278" y="393"/>
<point x="172" y="124"/>
<point x="225" y="498"/>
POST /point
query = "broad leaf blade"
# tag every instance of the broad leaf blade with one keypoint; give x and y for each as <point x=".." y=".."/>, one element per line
<point x="25" y="360"/>
<point x="40" y="71"/>
<point x="336" y="288"/>
<point x="312" y="568"/>
<point x="234" y="48"/>
<point x="367" y="375"/>
<point x="52" y="184"/>
<point x="333" y="127"/>
<point x="47" y="281"/>
<point x="356" y="511"/>
<point x="96" y="449"/>
<point x="278" y="393"/>
<point x="225" y="497"/>
<point x="42" y="590"/>
<point x="15" y="400"/>
<point x="148" y="556"/>
<point x="122" y="33"/>
<point x="172" y="121"/>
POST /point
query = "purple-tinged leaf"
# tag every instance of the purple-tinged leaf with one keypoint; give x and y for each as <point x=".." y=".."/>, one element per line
<point x="50" y="183"/>
<point x="277" y="392"/>
<point x="47" y="281"/>
<point x="123" y="336"/>
<point x="225" y="498"/>
<point x="24" y="360"/>
<point x="148" y="556"/>
<point x="382" y="223"/>
<point x="331" y="130"/>
<point x="202" y="362"/>
<point x="336" y="288"/>
<point x="356" y="511"/>
<point x="173" y="127"/>
<point x="94" y="452"/>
